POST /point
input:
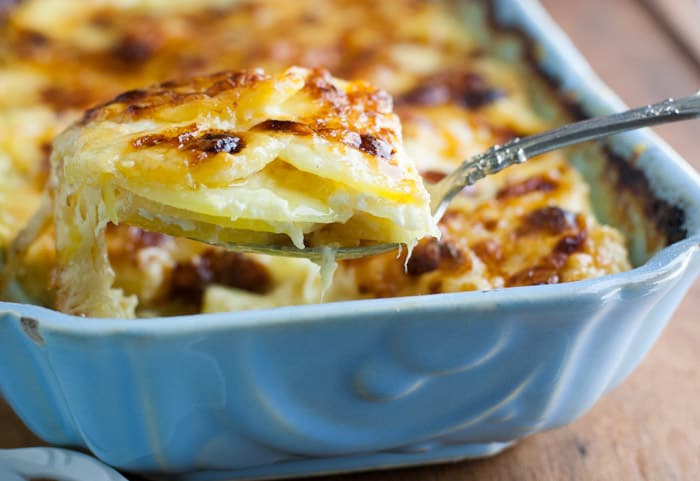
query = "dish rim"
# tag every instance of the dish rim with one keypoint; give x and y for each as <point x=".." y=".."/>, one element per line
<point x="594" y="96"/>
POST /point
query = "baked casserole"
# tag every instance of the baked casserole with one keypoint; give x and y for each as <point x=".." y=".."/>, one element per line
<point x="531" y="224"/>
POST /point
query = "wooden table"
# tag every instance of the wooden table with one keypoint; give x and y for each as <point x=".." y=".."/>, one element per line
<point x="648" y="428"/>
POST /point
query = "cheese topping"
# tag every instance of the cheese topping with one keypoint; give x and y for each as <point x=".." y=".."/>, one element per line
<point x="459" y="86"/>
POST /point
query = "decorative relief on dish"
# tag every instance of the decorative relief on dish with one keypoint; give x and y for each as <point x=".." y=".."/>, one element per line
<point x="419" y="352"/>
<point x="53" y="463"/>
<point x="327" y="398"/>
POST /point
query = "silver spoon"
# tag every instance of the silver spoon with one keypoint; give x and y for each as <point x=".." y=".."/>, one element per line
<point x="498" y="158"/>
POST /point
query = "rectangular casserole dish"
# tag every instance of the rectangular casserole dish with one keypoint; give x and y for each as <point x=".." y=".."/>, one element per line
<point x="376" y="383"/>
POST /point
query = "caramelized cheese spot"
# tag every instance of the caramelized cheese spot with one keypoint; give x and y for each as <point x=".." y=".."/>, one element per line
<point x="467" y="89"/>
<point x="65" y="99"/>
<point x="490" y="251"/>
<point x="527" y="186"/>
<point x="201" y="145"/>
<point x="425" y="258"/>
<point x="134" y="49"/>
<point x="214" y="266"/>
<point x="549" y="268"/>
<point x="432" y="254"/>
<point x="571" y="243"/>
<point x="287" y="126"/>
<point x="432" y="176"/>
<point x="550" y="220"/>
<point x="372" y="145"/>
<point x="546" y="272"/>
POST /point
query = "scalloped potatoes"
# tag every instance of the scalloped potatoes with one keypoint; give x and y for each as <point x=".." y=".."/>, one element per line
<point x="234" y="157"/>
<point x="459" y="88"/>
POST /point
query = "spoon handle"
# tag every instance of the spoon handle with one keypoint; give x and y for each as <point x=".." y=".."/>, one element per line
<point x="517" y="151"/>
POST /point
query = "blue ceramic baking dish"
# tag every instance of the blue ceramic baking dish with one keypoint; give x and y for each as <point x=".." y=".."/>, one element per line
<point x="377" y="383"/>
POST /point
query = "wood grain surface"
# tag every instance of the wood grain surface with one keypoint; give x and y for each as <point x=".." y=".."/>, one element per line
<point x="680" y="23"/>
<point x="648" y="428"/>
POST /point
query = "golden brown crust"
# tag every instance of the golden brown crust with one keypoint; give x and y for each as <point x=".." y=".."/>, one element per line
<point x="518" y="236"/>
<point x="143" y="103"/>
<point x="354" y="117"/>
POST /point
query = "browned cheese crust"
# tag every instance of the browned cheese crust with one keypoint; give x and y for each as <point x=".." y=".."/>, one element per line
<point x="531" y="224"/>
<point x="352" y="118"/>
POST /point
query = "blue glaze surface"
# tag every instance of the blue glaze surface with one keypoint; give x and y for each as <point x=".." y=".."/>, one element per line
<point x="60" y="464"/>
<point x="354" y="385"/>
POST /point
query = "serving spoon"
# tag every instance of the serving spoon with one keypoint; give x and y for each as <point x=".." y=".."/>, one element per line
<point x="498" y="158"/>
